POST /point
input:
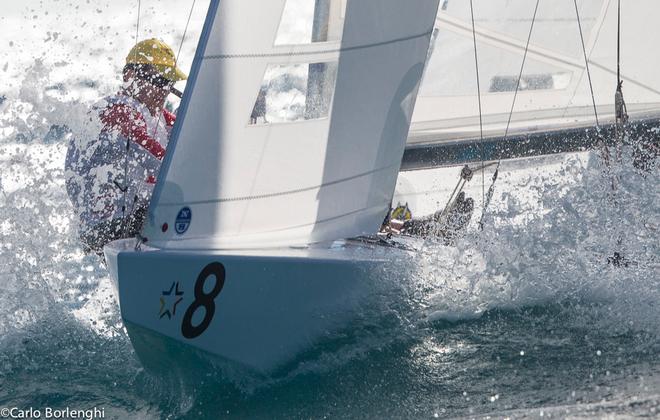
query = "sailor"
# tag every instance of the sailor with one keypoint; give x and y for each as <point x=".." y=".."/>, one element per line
<point x="449" y="226"/>
<point x="111" y="172"/>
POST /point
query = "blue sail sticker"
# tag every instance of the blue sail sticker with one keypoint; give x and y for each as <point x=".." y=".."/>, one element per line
<point x="183" y="219"/>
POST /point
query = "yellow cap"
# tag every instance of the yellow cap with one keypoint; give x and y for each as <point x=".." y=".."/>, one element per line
<point x="158" y="54"/>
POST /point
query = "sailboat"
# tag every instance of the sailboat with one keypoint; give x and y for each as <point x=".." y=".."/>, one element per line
<point x="243" y="254"/>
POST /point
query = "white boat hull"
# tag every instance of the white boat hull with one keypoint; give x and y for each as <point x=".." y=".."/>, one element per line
<point x="267" y="307"/>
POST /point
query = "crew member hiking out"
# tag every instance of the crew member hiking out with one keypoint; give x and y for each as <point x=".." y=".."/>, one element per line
<point x="449" y="227"/>
<point x="110" y="175"/>
<point x="449" y="223"/>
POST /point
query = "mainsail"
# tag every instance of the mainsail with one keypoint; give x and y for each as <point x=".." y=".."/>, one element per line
<point x="554" y="90"/>
<point x="293" y="125"/>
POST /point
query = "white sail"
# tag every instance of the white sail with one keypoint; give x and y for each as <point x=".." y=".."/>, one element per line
<point x="554" y="90"/>
<point x="290" y="132"/>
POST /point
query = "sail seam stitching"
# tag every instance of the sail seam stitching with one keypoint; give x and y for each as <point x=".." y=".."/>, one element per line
<point x="317" y="52"/>
<point x="318" y="222"/>
<point x="299" y="190"/>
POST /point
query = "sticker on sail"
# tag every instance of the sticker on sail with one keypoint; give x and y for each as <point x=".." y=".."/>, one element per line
<point x="183" y="219"/>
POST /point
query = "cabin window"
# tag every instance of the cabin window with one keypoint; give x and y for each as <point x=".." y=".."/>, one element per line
<point x="557" y="81"/>
<point x="294" y="92"/>
<point x="309" y="21"/>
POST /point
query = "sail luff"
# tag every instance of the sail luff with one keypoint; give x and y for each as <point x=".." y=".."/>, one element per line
<point x="183" y="108"/>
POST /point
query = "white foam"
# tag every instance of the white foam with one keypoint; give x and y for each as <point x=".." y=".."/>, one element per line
<point x="547" y="238"/>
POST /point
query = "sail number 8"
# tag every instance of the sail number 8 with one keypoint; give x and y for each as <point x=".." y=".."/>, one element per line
<point x="203" y="300"/>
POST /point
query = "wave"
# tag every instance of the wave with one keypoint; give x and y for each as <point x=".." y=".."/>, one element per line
<point x="546" y="240"/>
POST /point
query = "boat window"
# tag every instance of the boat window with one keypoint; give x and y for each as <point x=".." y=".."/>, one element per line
<point x="308" y="21"/>
<point x="294" y="92"/>
<point x="556" y="81"/>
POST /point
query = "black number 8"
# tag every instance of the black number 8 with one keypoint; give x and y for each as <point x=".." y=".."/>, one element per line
<point x="203" y="300"/>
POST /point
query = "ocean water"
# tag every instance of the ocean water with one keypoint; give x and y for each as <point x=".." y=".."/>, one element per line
<point x="523" y="320"/>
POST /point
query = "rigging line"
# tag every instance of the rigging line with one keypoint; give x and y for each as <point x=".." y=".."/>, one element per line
<point x="450" y="203"/>
<point x="522" y="66"/>
<point x="140" y="239"/>
<point x="481" y="125"/>
<point x="586" y="63"/>
<point x="137" y="26"/>
<point x="620" y="111"/>
<point x="595" y="36"/>
<point x="621" y="118"/>
<point x="124" y="189"/>
<point x="491" y="189"/>
<point x="515" y="93"/>
<point x="183" y="37"/>
<point x="550" y="57"/>
<point x="623" y="111"/>
<point x="176" y="59"/>
<point x="618" y="44"/>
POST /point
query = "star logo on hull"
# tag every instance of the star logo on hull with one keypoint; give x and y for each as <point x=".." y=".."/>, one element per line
<point x="173" y="294"/>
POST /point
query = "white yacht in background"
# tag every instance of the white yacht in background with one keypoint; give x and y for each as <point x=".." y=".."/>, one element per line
<point x="554" y="109"/>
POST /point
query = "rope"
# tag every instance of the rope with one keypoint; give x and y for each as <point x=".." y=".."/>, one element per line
<point x="491" y="189"/>
<point x="522" y="66"/>
<point x="465" y="177"/>
<point x="137" y="26"/>
<point x="618" y="44"/>
<point x="452" y="198"/>
<point x="620" y="111"/>
<point x="176" y="62"/>
<point x="185" y="30"/>
<point x="128" y="141"/>
<point x="621" y="117"/>
<point x="586" y="64"/>
<point x="140" y="239"/>
<point x="481" y="126"/>
<point x="124" y="188"/>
